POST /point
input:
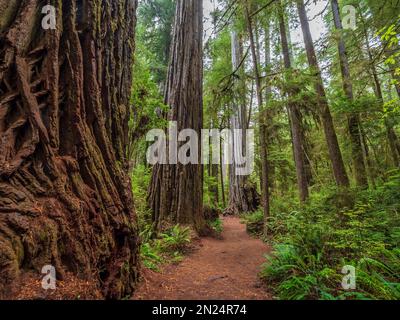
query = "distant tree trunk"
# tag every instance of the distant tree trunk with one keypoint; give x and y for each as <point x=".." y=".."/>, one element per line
<point x="325" y="114"/>
<point x="270" y="112"/>
<point x="262" y="121"/>
<point x="241" y="192"/>
<point x="176" y="191"/>
<point x="221" y="171"/>
<point x="295" y="116"/>
<point x="215" y="189"/>
<point x="353" y="118"/>
<point x="213" y="173"/>
<point x="65" y="196"/>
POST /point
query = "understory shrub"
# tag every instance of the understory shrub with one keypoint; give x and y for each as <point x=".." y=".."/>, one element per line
<point x="168" y="246"/>
<point x="312" y="243"/>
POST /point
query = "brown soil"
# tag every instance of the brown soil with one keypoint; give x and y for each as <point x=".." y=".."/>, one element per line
<point x="29" y="287"/>
<point x="225" y="269"/>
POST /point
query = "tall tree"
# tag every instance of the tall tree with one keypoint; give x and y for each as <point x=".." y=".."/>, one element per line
<point x="65" y="195"/>
<point x="265" y="182"/>
<point x="325" y="114"/>
<point x="392" y="138"/>
<point x="176" y="190"/>
<point x="241" y="193"/>
<point x="384" y="14"/>
<point x="294" y="113"/>
<point x="353" y="118"/>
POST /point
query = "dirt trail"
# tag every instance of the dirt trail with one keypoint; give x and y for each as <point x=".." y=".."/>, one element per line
<point x="220" y="270"/>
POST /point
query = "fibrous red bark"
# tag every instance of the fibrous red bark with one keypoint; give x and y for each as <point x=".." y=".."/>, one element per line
<point x="65" y="196"/>
<point x="176" y="190"/>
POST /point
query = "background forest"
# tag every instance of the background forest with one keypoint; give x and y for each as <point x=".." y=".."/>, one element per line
<point x="325" y="192"/>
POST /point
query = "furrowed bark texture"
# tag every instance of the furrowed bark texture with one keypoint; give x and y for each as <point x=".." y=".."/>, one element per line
<point x="65" y="196"/>
<point x="176" y="191"/>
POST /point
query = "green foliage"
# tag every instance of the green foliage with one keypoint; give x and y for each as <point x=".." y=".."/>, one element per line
<point x="168" y="247"/>
<point x="254" y="222"/>
<point x="216" y="225"/>
<point x="210" y="189"/>
<point x="155" y="249"/>
<point x="314" y="242"/>
<point x="149" y="72"/>
<point x="141" y="176"/>
<point x="156" y="19"/>
<point x="175" y="239"/>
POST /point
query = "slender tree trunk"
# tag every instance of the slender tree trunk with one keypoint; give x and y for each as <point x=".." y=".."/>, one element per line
<point x="371" y="171"/>
<point x="222" y="174"/>
<point x="270" y="113"/>
<point x="65" y="196"/>
<point x="214" y="189"/>
<point x="262" y="120"/>
<point x="391" y="135"/>
<point x="353" y="118"/>
<point x="295" y="117"/>
<point x="213" y="173"/>
<point x="176" y="191"/>
<point x="335" y="154"/>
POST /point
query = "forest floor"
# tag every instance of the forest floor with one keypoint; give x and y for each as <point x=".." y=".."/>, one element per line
<point x="219" y="269"/>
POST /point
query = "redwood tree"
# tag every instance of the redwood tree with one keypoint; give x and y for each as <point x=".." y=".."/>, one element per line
<point x="65" y="196"/>
<point x="176" y="190"/>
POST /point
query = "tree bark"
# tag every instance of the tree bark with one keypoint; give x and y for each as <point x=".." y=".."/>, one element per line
<point x="353" y="118"/>
<point x="65" y="196"/>
<point x="176" y="191"/>
<point x="262" y="121"/>
<point x="335" y="154"/>
<point x="295" y="116"/>
<point x="241" y="193"/>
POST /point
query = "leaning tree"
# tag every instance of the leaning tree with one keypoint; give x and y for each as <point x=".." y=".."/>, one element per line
<point x="65" y="196"/>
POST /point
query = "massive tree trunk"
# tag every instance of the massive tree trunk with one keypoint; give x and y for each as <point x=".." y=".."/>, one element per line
<point x="176" y="191"/>
<point x="242" y="195"/>
<point x="65" y="196"/>
<point x="325" y="114"/>
<point x="295" y="116"/>
<point x="353" y="118"/>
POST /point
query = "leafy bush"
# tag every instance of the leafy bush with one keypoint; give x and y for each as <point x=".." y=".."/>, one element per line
<point x="151" y="256"/>
<point x="254" y="222"/>
<point x="314" y="242"/>
<point x="216" y="225"/>
<point x="168" y="247"/>
<point x="175" y="239"/>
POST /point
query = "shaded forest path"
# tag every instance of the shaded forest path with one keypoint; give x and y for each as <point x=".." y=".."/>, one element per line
<point x="219" y="270"/>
